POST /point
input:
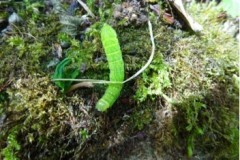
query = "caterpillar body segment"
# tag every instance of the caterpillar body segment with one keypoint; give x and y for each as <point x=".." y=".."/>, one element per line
<point x="109" y="97"/>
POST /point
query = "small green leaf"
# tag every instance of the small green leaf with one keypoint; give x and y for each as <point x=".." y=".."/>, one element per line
<point x="61" y="72"/>
<point x="189" y="151"/>
<point x="190" y="146"/>
<point x="199" y="131"/>
<point x="189" y="127"/>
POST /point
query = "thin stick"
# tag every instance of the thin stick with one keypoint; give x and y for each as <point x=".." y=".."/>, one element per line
<point x="86" y="8"/>
<point x="89" y="80"/>
<point x="81" y="85"/>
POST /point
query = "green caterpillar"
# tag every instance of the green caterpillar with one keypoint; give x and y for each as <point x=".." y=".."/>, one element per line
<point x="116" y="65"/>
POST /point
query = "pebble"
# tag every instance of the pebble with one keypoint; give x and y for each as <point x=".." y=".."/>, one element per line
<point x="14" y="18"/>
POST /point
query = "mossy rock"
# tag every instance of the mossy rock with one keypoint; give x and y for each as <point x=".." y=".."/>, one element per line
<point x="196" y="72"/>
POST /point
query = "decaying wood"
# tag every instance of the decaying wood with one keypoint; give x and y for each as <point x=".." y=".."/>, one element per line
<point x="177" y="5"/>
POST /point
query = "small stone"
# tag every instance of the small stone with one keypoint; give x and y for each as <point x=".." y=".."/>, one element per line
<point x="117" y="14"/>
<point x="133" y="17"/>
<point x="14" y="18"/>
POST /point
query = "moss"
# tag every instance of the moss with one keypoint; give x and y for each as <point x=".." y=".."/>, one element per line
<point x="35" y="109"/>
<point x="205" y="68"/>
<point x="142" y="117"/>
<point x="44" y="119"/>
<point x="195" y="70"/>
<point x="10" y="151"/>
<point x="29" y="48"/>
<point x="155" y="80"/>
<point x="205" y="124"/>
<point x="192" y="122"/>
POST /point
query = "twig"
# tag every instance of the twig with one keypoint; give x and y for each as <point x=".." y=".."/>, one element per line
<point x="96" y="81"/>
<point x="80" y="85"/>
<point x="86" y="8"/>
<point x="4" y="86"/>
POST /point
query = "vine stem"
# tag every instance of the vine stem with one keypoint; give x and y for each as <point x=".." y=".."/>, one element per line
<point x="80" y="85"/>
<point x="151" y="56"/>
